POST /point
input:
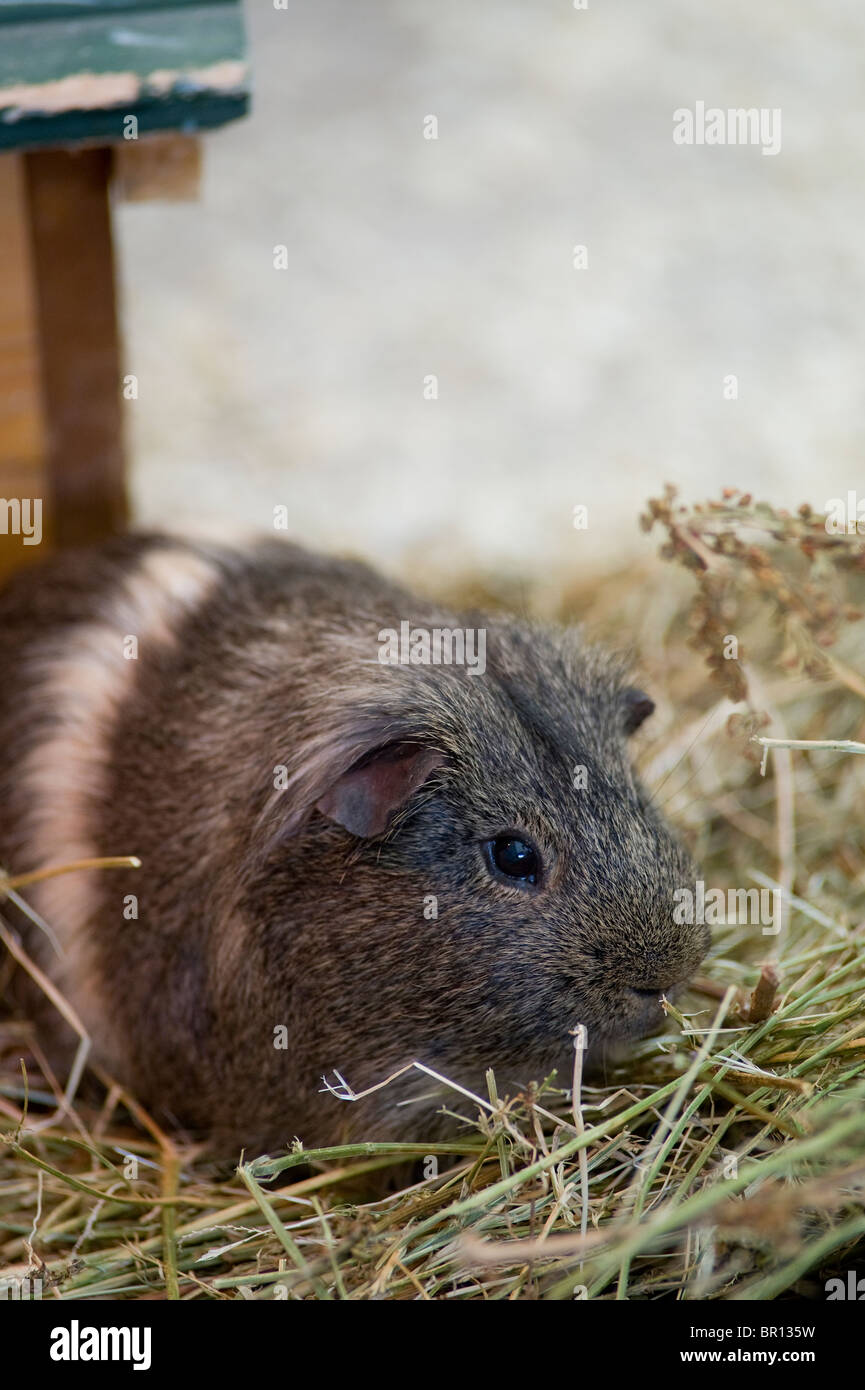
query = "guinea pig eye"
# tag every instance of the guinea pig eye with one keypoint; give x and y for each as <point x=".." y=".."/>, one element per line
<point x="510" y="857"/>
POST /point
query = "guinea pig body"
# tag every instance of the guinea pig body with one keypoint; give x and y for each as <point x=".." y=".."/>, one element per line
<point x="347" y="863"/>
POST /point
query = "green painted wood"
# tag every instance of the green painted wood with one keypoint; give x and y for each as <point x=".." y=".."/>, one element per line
<point x="187" y="117"/>
<point x="142" y="42"/>
<point x="29" y="11"/>
<point x="118" y="37"/>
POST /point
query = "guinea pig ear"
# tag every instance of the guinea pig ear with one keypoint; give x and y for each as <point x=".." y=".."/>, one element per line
<point x="365" y="798"/>
<point x="637" y="707"/>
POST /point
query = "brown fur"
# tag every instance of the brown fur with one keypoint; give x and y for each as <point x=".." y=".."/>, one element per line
<point x="257" y="907"/>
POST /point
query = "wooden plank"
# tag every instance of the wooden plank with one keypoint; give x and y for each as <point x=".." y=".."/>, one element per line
<point x="65" y="80"/>
<point x="22" y="435"/>
<point x="78" y="340"/>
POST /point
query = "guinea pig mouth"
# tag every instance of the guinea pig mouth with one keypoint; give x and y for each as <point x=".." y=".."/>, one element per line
<point x="637" y="1014"/>
<point x="644" y="1011"/>
<point x="634" y="1018"/>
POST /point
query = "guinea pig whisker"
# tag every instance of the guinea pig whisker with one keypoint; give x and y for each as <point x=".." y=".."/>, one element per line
<point x="660" y="806"/>
<point x="698" y="735"/>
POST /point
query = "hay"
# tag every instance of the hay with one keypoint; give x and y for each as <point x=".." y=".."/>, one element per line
<point x="723" y="1160"/>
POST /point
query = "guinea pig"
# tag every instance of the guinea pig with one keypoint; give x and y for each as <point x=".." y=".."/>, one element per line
<point x="371" y="832"/>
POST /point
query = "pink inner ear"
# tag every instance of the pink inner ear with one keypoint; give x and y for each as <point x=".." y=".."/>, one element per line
<point x="364" y="799"/>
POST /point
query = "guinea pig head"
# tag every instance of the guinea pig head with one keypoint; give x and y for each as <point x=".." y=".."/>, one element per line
<point x="483" y="868"/>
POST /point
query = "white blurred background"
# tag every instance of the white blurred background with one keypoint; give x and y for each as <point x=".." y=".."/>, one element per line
<point x="454" y="257"/>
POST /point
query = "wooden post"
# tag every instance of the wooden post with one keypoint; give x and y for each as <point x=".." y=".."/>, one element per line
<point x="79" y="354"/>
<point x="22" y="435"/>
